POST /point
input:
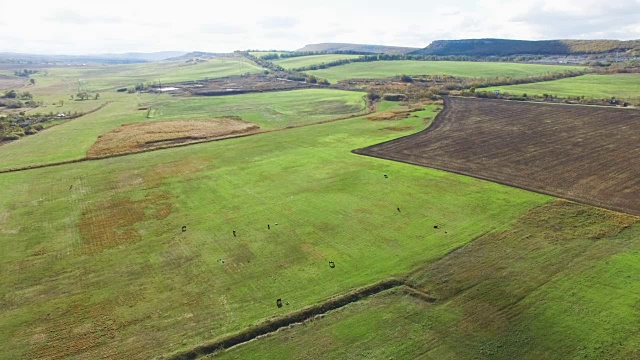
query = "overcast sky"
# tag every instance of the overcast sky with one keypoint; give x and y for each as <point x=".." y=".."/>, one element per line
<point x="89" y="27"/>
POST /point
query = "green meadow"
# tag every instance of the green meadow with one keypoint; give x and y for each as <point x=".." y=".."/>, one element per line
<point x="152" y="254"/>
<point x="304" y="61"/>
<point x="72" y="139"/>
<point x="94" y="252"/>
<point x="622" y="86"/>
<point x="111" y="77"/>
<point x="535" y="290"/>
<point x="383" y="69"/>
<point x="269" y="110"/>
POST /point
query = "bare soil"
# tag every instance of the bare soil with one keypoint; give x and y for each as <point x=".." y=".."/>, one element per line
<point x="586" y="154"/>
<point x="11" y="82"/>
<point x="145" y="136"/>
<point x="233" y="85"/>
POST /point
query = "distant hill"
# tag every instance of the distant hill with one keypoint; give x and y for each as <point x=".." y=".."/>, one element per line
<point x="154" y="56"/>
<point x="195" y="54"/>
<point x="503" y="47"/>
<point x="373" y="49"/>
<point x="99" y="58"/>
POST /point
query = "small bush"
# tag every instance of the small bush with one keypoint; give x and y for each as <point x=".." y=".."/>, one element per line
<point x="395" y="97"/>
<point x="11" y="137"/>
<point x="406" y="78"/>
<point x="373" y="96"/>
<point x="15" y="104"/>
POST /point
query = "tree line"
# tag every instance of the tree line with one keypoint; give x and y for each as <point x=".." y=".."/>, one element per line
<point x="397" y="57"/>
<point x="278" y="71"/>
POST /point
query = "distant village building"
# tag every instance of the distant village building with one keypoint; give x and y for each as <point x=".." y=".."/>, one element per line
<point x="166" y="89"/>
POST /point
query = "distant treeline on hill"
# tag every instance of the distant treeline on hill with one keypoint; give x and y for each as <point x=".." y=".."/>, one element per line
<point x="387" y="57"/>
<point x="292" y="54"/>
<point x="357" y="48"/>
<point x="503" y="47"/>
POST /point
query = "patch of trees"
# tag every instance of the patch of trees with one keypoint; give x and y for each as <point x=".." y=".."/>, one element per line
<point x="278" y="71"/>
<point x="582" y="100"/>
<point x="84" y="95"/>
<point x="15" y="100"/>
<point x="16" y="126"/>
<point x="25" y="72"/>
<point x="504" y="80"/>
<point x="262" y="62"/>
<point x="434" y="86"/>
<point x="632" y="66"/>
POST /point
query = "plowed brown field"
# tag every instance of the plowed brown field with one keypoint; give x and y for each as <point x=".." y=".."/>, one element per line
<point x="586" y="154"/>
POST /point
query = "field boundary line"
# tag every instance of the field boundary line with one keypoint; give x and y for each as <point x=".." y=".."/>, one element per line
<point x="435" y="125"/>
<point x="274" y="325"/>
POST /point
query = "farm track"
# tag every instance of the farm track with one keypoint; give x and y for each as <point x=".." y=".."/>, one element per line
<point x="370" y="110"/>
<point x="585" y="154"/>
<point x="301" y="316"/>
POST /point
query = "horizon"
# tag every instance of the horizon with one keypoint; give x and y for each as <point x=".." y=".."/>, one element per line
<point x="274" y="49"/>
<point x="64" y="28"/>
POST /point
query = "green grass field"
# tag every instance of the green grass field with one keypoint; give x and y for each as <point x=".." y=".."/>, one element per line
<point x="304" y="61"/>
<point x="272" y="110"/>
<point x="382" y="69"/>
<point x="110" y="77"/>
<point x="94" y="261"/>
<point x="72" y="139"/>
<point x="536" y="290"/>
<point x="621" y="86"/>
<point x="387" y="326"/>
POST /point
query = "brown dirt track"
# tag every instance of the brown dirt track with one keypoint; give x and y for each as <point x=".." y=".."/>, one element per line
<point x="586" y="154"/>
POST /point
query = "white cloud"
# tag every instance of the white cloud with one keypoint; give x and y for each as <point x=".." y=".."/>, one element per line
<point x="66" y="26"/>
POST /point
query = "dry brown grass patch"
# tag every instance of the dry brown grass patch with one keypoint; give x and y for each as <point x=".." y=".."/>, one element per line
<point x="111" y="222"/>
<point x="396" y="114"/>
<point x="399" y="128"/>
<point x="158" y="134"/>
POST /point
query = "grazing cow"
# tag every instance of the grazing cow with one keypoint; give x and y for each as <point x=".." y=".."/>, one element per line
<point x="279" y="303"/>
<point x="184" y="229"/>
<point x="234" y="233"/>
<point x="332" y="264"/>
